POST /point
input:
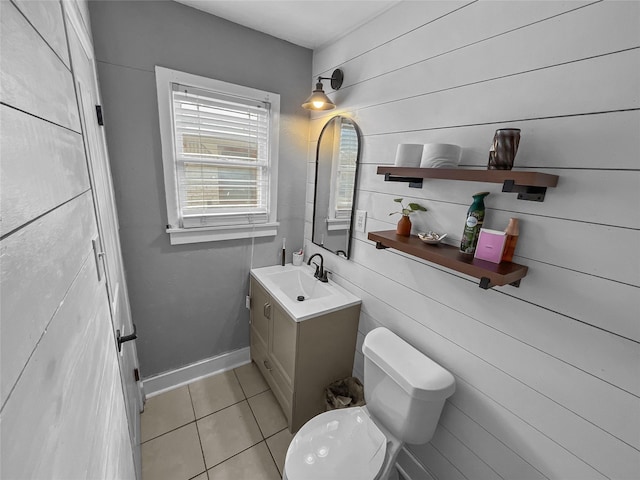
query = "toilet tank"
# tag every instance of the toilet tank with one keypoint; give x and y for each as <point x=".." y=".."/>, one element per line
<point x="404" y="389"/>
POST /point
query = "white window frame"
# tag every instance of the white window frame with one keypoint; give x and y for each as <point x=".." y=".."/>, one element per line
<point x="241" y="226"/>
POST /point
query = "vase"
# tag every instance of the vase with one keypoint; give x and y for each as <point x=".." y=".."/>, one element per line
<point x="404" y="226"/>
<point x="504" y="148"/>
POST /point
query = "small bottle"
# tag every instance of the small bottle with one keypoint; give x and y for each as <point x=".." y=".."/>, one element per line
<point x="512" y="231"/>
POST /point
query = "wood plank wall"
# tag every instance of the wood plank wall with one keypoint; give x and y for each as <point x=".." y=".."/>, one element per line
<point x="548" y="380"/>
<point x="62" y="407"/>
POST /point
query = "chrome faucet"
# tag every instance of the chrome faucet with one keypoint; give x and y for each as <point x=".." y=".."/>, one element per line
<point x="321" y="273"/>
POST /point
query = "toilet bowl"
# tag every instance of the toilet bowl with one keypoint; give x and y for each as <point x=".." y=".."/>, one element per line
<point x="405" y="392"/>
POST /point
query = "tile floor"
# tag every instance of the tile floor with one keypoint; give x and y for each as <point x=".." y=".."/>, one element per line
<point x="225" y="427"/>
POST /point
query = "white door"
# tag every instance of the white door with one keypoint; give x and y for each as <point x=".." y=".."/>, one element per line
<point x="107" y="245"/>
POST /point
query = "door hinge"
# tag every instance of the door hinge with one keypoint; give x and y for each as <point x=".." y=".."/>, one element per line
<point x="136" y="374"/>
<point x="99" y="115"/>
<point x="98" y="254"/>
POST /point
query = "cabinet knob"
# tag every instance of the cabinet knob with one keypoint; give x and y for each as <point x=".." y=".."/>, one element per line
<point x="266" y="365"/>
<point x="266" y="310"/>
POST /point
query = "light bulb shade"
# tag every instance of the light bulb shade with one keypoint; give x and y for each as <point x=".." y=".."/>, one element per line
<point x="318" y="100"/>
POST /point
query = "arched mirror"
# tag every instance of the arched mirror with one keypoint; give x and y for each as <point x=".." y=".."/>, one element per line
<point x="337" y="158"/>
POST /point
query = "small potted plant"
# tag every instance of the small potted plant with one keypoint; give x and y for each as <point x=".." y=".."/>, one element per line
<point x="404" y="225"/>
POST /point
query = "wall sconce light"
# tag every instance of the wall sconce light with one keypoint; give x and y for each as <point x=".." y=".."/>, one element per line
<point x="318" y="99"/>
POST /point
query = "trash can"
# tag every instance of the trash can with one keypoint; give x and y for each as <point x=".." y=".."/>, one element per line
<point x="344" y="393"/>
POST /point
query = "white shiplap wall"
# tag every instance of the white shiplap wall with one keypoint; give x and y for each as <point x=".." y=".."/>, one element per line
<point x="548" y="374"/>
<point x="62" y="411"/>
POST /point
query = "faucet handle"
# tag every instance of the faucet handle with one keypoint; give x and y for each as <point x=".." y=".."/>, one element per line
<point x="317" y="274"/>
<point x="323" y="278"/>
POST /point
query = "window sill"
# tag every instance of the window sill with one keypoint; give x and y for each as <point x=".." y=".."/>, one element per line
<point x="338" y="223"/>
<point x="181" y="236"/>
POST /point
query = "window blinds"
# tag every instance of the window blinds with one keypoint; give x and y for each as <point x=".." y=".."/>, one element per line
<point x="346" y="170"/>
<point x="222" y="157"/>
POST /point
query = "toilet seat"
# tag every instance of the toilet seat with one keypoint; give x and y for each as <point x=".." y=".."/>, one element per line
<point x="343" y="443"/>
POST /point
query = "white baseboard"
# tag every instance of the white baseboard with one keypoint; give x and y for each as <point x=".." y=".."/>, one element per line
<point x="204" y="368"/>
<point x="410" y="468"/>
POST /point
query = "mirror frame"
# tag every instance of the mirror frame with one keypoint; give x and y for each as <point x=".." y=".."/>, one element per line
<point x="347" y="254"/>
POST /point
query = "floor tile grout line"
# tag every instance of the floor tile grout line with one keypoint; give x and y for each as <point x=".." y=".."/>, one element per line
<point x="236" y="454"/>
<point x="271" y="453"/>
<point x="250" y="408"/>
<point x="264" y="438"/>
<point x="196" y="420"/>
<point x="179" y="426"/>
<point x="168" y="431"/>
<point x="207" y="415"/>
<point x="255" y="416"/>
<point x="240" y="382"/>
<point x="224" y="408"/>
<point x="245" y="399"/>
<point x="196" y="476"/>
<point x="279" y="431"/>
<point x="204" y="460"/>
<point x="256" y="394"/>
<point x="221" y="409"/>
<point x="235" y="374"/>
<point x="274" y="460"/>
<point x="256" y="420"/>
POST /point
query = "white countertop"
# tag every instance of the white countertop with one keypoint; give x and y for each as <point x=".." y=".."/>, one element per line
<point x="330" y="296"/>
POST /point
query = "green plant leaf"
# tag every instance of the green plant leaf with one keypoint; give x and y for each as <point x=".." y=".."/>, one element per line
<point x="417" y="206"/>
<point x="398" y="200"/>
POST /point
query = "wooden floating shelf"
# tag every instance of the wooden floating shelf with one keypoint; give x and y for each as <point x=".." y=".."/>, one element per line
<point x="490" y="274"/>
<point x="528" y="185"/>
<point x="534" y="179"/>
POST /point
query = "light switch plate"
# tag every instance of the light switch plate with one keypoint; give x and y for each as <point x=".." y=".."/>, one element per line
<point x="361" y="220"/>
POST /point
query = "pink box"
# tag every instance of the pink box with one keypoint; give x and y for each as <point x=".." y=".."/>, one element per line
<point x="490" y="245"/>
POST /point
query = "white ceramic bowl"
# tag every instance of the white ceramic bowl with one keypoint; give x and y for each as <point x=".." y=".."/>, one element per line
<point x="440" y="155"/>
<point x="431" y="238"/>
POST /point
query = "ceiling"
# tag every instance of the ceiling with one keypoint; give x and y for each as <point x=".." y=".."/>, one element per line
<point x="309" y="23"/>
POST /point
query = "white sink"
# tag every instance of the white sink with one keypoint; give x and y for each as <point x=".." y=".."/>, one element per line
<point x="299" y="285"/>
<point x="300" y="293"/>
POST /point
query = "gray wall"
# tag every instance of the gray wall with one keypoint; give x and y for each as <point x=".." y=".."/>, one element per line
<point x="547" y="374"/>
<point x="188" y="301"/>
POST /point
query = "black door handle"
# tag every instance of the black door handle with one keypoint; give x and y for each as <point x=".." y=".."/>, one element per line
<point x="127" y="338"/>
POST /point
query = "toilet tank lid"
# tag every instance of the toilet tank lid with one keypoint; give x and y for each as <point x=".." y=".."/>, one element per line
<point x="418" y="375"/>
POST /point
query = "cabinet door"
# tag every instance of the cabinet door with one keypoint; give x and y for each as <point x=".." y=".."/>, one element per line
<point x="261" y="309"/>
<point x="283" y="343"/>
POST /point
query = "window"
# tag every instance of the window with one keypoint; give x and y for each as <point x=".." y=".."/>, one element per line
<point x="343" y="174"/>
<point x="345" y="170"/>
<point x="219" y="149"/>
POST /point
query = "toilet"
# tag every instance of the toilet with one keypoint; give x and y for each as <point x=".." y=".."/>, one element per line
<point x="405" y="392"/>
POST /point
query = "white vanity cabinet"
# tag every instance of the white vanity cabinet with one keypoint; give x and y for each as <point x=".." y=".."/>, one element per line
<point x="299" y="359"/>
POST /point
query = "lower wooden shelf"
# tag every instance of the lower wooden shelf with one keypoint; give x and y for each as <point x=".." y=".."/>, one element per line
<point x="490" y="274"/>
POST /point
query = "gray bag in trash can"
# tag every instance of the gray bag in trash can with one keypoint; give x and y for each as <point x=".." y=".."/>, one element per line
<point x="347" y="392"/>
